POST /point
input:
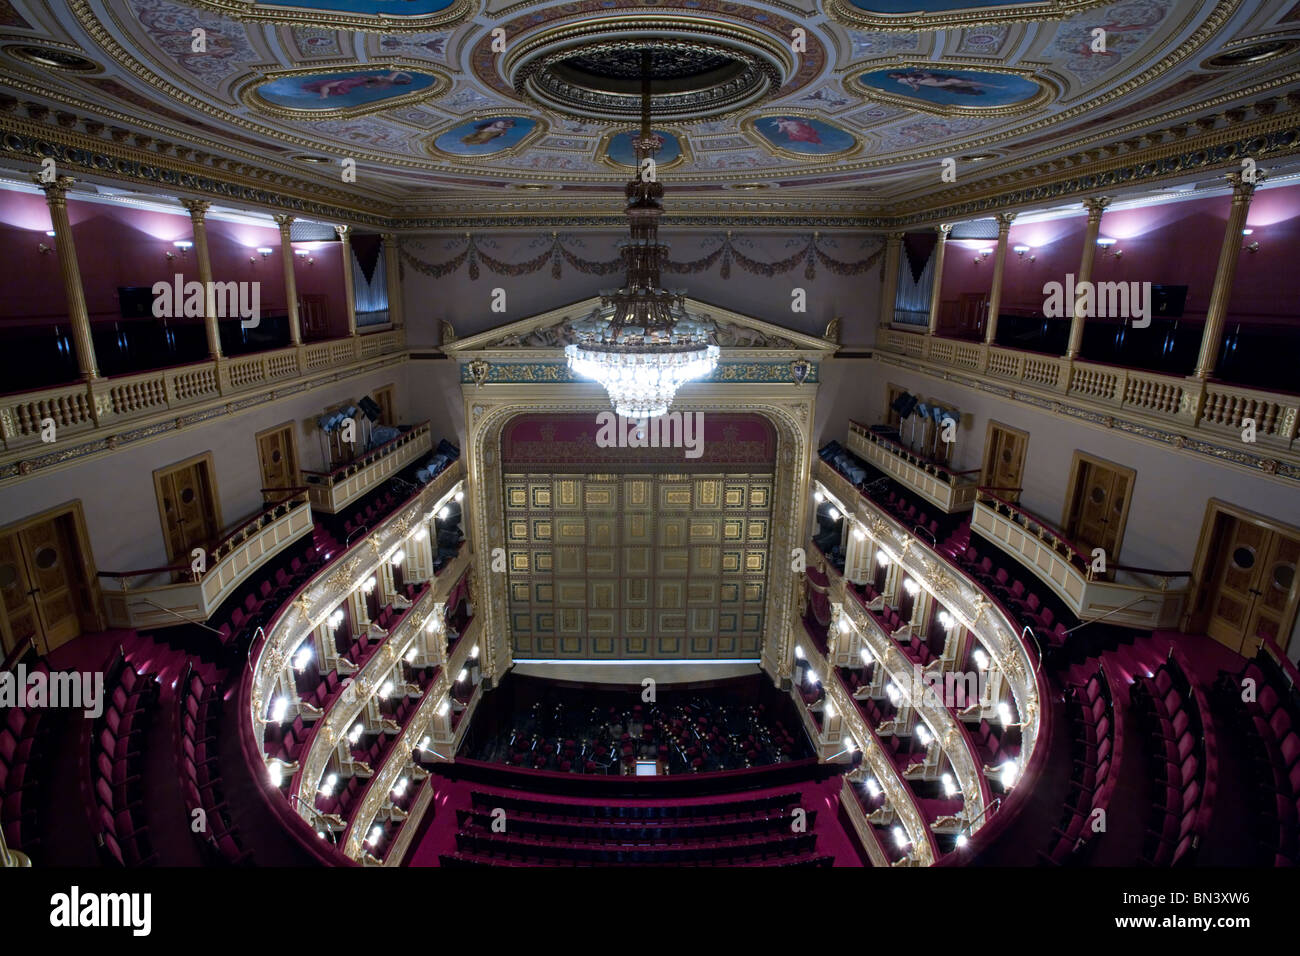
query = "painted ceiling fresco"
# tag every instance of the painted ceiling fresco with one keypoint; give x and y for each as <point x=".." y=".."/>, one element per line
<point x="425" y="98"/>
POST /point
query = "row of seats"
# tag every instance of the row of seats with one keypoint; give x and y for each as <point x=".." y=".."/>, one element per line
<point x="25" y="755"/>
<point x="537" y="808"/>
<point x="1172" y="710"/>
<point x="732" y="852"/>
<point x="1265" y="706"/>
<point x="1096" y="744"/>
<point x="114" y="802"/>
<point x="199" y="717"/>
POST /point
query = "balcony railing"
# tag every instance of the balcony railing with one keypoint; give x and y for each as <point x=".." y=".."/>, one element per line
<point x="1138" y="597"/>
<point x="334" y="490"/>
<point x="983" y="617"/>
<point x="107" y="404"/>
<point x="1186" y="403"/>
<point x="153" y="597"/>
<point x="941" y="486"/>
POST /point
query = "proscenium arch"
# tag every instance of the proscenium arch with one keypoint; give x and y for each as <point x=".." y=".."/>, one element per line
<point x="486" y="416"/>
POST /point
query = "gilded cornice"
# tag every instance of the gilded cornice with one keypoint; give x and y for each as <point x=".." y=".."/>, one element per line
<point x="329" y="19"/>
<point x="846" y="13"/>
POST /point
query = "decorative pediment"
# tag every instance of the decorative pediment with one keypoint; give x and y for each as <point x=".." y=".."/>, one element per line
<point x="545" y="336"/>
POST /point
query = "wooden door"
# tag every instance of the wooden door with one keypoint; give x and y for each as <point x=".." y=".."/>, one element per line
<point x="187" y="502"/>
<point x="384" y="399"/>
<point x="1255" y="591"/>
<point x="1098" y="505"/>
<point x="277" y="455"/>
<point x="44" y="584"/>
<point x="1004" y="460"/>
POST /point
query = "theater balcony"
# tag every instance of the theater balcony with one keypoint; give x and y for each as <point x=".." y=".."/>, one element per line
<point x="333" y="491"/>
<point x="1193" y="407"/>
<point x="1139" y="597"/>
<point x="946" y="489"/>
<point x="363" y="676"/>
<point x="99" y="409"/>
<point x="899" y="617"/>
<point x="186" y="591"/>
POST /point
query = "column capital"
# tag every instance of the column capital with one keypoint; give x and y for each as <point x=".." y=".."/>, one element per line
<point x="388" y="237"/>
<point x="344" y="232"/>
<point x="284" y="222"/>
<point x="1095" y="205"/>
<point x="943" y="229"/>
<point x="1242" y="189"/>
<point x="56" y="189"/>
<point x="1004" y="221"/>
<point x="198" y="208"/>
<point x="895" y="236"/>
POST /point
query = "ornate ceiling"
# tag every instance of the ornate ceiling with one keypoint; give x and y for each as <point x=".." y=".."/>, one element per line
<point x="440" y="102"/>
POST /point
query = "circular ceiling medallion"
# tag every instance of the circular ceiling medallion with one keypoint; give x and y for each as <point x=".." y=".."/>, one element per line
<point x="690" y="79"/>
<point x="1251" y="54"/>
<point x="52" y="58"/>
<point x="699" y="68"/>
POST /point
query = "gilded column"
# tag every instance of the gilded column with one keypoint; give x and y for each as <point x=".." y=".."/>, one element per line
<point x="999" y="264"/>
<point x="198" y="209"/>
<point x="889" y="287"/>
<point x="290" y="283"/>
<point x="56" y="197"/>
<point x="1095" y="206"/>
<point x="1217" y="312"/>
<point x="349" y="290"/>
<point x="392" y="267"/>
<point x="936" y="286"/>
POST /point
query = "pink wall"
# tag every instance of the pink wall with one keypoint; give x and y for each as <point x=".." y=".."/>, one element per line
<point x="1175" y="243"/>
<point x="118" y="246"/>
<point x="30" y="285"/>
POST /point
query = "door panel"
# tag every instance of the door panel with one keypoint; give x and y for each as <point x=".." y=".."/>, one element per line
<point x="1099" y="508"/>
<point x="187" y="501"/>
<point x="278" y="459"/>
<point x="51" y="566"/>
<point x="1255" y="589"/>
<point x="16" y="596"/>
<point x="1004" y="466"/>
<point x="44" y="584"/>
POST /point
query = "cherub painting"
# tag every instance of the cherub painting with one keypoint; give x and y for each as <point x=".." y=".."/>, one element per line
<point x="804" y="135"/>
<point x="483" y="137"/>
<point x="342" y="90"/>
<point x="963" y="88"/>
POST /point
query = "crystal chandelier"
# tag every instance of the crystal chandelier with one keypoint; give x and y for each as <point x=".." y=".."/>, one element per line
<point x="641" y="344"/>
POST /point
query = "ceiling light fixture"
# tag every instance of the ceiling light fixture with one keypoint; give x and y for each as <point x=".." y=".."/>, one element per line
<point x="641" y="344"/>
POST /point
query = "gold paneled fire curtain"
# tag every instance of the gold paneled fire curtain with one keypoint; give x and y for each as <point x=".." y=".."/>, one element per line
<point x="637" y="553"/>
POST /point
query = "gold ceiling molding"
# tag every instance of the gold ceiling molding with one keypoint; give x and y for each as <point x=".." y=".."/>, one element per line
<point x="847" y="14"/>
<point x="308" y="16"/>
<point x="1046" y="93"/>
<point x="248" y="89"/>
<point x="81" y="8"/>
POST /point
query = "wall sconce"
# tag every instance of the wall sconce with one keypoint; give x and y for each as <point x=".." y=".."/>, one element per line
<point x="304" y="254"/>
<point x="41" y="247"/>
<point x="1106" y="244"/>
<point x="1252" y="246"/>
<point x="982" y="255"/>
<point x="1021" y="250"/>
<point x="184" y="245"/>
